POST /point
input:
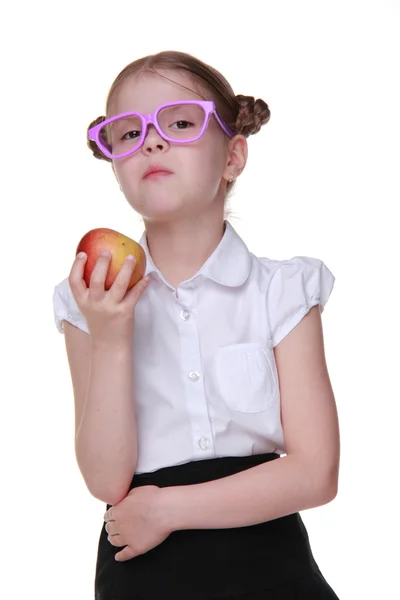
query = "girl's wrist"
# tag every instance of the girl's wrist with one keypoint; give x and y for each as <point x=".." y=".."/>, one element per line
<point x="168" y="509"/>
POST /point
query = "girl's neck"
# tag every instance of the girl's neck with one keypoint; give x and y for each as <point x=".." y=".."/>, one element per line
<point x="180" y="248"/>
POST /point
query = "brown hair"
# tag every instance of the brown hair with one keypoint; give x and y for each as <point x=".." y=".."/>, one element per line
<point x="243" y="114"/>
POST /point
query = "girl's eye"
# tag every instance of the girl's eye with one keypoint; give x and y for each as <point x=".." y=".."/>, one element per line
<point x="181" y="125"/>
<point x="131" y="135"/>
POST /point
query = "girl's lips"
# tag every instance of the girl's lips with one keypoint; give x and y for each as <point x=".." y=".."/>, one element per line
<point x="156" y="174"/>
<point x="156" y="170"/>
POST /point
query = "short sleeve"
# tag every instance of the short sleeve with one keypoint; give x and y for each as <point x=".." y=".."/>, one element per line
<point x="296" y="286"/>
<point x="65" y="308"/>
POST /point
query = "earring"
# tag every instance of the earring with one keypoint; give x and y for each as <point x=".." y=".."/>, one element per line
<point x="231" y="178"/>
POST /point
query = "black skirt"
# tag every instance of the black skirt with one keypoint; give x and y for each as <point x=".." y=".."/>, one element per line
<point x="269" y="561"/>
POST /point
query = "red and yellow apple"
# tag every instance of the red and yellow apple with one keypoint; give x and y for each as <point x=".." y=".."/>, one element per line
<point x="99" y="240"/>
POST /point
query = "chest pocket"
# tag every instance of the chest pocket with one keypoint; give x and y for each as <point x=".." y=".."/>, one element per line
<point x="246" y="377"/>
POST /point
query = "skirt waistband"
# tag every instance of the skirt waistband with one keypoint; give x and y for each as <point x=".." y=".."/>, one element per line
<point x="200" y="471"/>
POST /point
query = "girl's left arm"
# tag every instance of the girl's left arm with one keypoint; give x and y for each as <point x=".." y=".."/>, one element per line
<point x="306" y="477"/>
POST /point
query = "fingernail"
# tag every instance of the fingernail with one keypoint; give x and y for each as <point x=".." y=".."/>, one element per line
<point x="81" y="255"/>
<point x="130" y="257"/>
<point x="106" y="253"/>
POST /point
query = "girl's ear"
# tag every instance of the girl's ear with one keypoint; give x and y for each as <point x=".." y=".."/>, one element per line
<point x="237" y="157"/>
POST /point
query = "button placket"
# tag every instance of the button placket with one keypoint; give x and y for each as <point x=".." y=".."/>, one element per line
<point x="191" y="363"/>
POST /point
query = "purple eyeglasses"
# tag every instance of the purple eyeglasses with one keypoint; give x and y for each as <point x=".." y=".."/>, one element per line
<point x="178" y="122"/>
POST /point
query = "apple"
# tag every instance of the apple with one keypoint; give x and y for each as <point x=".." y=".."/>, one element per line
<point x="96" y="241"/>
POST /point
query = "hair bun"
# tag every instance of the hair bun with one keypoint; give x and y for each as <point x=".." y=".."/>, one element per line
<point x="92" y="145"/>
<point x="252" y="114"/>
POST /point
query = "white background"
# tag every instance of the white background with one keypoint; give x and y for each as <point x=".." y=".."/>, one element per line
<point x="322" y="180"/>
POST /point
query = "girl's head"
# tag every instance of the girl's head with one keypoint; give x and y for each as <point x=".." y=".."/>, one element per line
<point x="202" y="171"/>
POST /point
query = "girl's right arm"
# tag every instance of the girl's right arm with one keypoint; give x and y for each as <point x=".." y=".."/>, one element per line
<point x="101" y="366"/>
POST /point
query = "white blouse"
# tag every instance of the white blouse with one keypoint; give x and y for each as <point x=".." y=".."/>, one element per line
<point x="205" y="377"/>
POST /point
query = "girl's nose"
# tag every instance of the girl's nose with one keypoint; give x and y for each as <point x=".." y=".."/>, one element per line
<point x="153" y="141"/>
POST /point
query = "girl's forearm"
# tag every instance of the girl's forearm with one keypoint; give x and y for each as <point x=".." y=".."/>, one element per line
<point x="106" y="444"/>
<point x="262" y="493"/>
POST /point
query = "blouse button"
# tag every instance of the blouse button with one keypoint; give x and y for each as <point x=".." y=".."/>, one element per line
<point x="204" y="443"/>
<point x="194" y="376"/>
<point x="185" y="315"/>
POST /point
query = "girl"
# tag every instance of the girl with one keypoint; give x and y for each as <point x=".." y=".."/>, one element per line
<point x="205" y="417"/>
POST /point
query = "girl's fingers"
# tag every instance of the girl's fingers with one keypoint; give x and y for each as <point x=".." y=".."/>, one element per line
<point x="98" y="276"/>
<point x="75" y="279"/>
<point x="119" y="289"/>
<point x="133" y="295"/>
<point x="120" y="285"/>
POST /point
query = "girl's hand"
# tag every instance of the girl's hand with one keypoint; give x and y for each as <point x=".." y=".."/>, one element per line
<point x="137" y="522"/>
<point x="109" y="314"/>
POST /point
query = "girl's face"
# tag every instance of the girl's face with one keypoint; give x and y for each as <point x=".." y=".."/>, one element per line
<point x="198" y="170"/>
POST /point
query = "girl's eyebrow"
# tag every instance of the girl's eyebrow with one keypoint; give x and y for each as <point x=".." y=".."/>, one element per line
<point x="121" y="120"/>
<point x="170" y="108"/>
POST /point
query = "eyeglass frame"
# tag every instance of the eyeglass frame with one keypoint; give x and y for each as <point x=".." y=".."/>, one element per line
<point x="151" y="118"/>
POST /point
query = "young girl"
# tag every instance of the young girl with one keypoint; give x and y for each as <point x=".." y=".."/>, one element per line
<point x="205" y="418"/>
